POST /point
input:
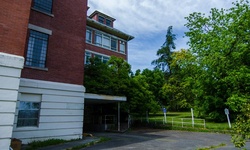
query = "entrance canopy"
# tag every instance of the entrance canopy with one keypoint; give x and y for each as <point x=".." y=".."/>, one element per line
<point x="91" y="98"/>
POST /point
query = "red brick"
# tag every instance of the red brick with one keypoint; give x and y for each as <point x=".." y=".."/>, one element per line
<point x="66" y="48"/>
<point x="13" y="25"/>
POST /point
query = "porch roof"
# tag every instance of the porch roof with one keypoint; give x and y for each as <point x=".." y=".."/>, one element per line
<point x="99" y="99"/>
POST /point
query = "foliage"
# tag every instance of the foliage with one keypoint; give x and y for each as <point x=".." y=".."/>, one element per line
<point x="111" y="78"/>
<point x="115" y="78"/>
<point x="220" y="44"/>
<point x="164" y="53"/>
<point x="176" y="91"/>
<point x="101" y="140"/>
<point x="38" y="144"/>
<point x="143" y="93"/>
<point x="155" y="80"/>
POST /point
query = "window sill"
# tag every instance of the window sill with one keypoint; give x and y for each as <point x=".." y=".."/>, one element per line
<point x="37" y="68"/>
<point x="48" y="14"/>
<point x="26" y="128"/>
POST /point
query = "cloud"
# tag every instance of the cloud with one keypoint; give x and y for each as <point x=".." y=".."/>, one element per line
<point x="148" y="21"/>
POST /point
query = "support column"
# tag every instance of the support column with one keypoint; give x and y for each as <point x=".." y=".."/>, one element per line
<point x="10" y="72"/>
<point x="119" y="124"/>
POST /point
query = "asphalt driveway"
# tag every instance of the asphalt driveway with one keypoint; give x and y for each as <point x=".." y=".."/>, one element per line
<point x="148" y="139"/>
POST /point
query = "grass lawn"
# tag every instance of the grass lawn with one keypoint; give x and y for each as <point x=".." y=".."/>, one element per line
<point x="184" y="120"/>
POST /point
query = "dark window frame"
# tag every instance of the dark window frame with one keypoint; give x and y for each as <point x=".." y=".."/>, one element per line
<point x="43" y="5"/>
<point x="37" y="48"/>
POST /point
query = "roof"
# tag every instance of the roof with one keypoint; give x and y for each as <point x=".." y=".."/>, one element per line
<point x="102" y="27"/>
<point x="102" y="14"/>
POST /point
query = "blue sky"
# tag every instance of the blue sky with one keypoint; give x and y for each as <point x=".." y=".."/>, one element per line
<point x="148" y="20"/>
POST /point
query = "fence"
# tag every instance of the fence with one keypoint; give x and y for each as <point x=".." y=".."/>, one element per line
<point x="178" y="122"/>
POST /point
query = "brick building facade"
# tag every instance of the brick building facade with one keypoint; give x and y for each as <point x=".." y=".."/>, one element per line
<point x="43" y="49"/>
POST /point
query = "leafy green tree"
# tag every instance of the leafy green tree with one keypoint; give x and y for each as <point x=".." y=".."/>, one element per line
<point x="140" y="98"/>
<point x="120" y="72"/>
<point x="155" y="80"/>
<point x="96" y="75"/>
<point x="164" y="53"/>
<point x="177" y="89"/>
<point x="111" y="78"/>
<point x="220" y="43"/>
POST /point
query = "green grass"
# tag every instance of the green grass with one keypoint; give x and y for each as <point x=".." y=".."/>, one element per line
<point x="175" y="119"/>
<point x="78" y="147"/>
<point x="38" y="144"/>
<point x="212" y="147"/>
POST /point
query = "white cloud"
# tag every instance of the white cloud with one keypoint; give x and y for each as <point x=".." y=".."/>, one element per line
<point x="147" y="19"/>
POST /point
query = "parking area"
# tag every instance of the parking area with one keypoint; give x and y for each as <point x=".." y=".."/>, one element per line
<point x="153" y="139"/>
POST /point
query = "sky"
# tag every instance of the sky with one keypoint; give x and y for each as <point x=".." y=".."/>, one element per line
<point x="148" y="21"/>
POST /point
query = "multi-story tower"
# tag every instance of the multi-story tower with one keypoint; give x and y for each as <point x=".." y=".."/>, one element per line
<point x="103" y="41"/>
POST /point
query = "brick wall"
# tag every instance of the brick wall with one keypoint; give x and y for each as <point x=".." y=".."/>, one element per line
<point x="13" y="25"/>
<point x="105" y="51"/>
<point x="66" y="47"/>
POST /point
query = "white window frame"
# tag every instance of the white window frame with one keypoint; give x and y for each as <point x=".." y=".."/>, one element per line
<point x="122" y="47"/>
<point x="88" y="35"/>
<point x="29" y="98"/>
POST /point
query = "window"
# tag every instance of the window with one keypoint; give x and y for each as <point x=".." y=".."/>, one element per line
<point x="113" y="44"/>
<point x="100" y="19"/>
<point x="88" y="35"/>
<point x="37" y="49"/>
<point x="103" y="59"/>
<point x="122" y="46"/>
<point x="87" y="57"/>
<point x="28" y="114"/>
<point x="106" y="41"/>
<point x="43" y="5"/>
<point x="108" y="22"/>
<point x="98" y="38"/>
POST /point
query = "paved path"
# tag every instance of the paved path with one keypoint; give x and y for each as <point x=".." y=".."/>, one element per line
<point x="163" y="140"/>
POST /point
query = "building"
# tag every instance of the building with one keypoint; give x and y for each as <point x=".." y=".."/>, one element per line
<point x="42" y="56"/>
<point x="103" y="40"/>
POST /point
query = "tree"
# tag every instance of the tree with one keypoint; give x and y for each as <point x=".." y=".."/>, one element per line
<point x="164" y="53"/>
<point x="220" y="43"/>
<point x="177" y="89"/>
<point x="96" y="75"/>
<point x="111" y="78"/>
<point x="155" y="80"/>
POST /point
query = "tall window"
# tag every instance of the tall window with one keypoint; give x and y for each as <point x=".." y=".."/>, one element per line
<point x="88" y="35"/>
<point x="122" y="46"/>
<point x="113" y="44"/>
<point x="98" y="38"/>
<point x="37" y="49"/>
<point x="28" y="114"/>
<point x="43" y="5"/>
<point x="103" y="59"/>
<point x="106" y="41"/>
<point x="87" y="57"/>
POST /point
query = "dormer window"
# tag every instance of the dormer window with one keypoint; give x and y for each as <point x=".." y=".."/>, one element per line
<point x="108" y="22"/>
<point x="101" y="19"/>
<point x="105" y="21"/>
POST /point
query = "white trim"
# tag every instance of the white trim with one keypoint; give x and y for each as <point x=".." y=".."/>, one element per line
<point x="40" y="29"/>
<point x="92" y="52"/>
<point x="103" y="98"/>
<point x="12" y="61"/>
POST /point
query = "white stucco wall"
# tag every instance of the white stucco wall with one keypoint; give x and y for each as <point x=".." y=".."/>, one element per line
<point x="61" y="113"/>
<point x="10" y="71"/>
